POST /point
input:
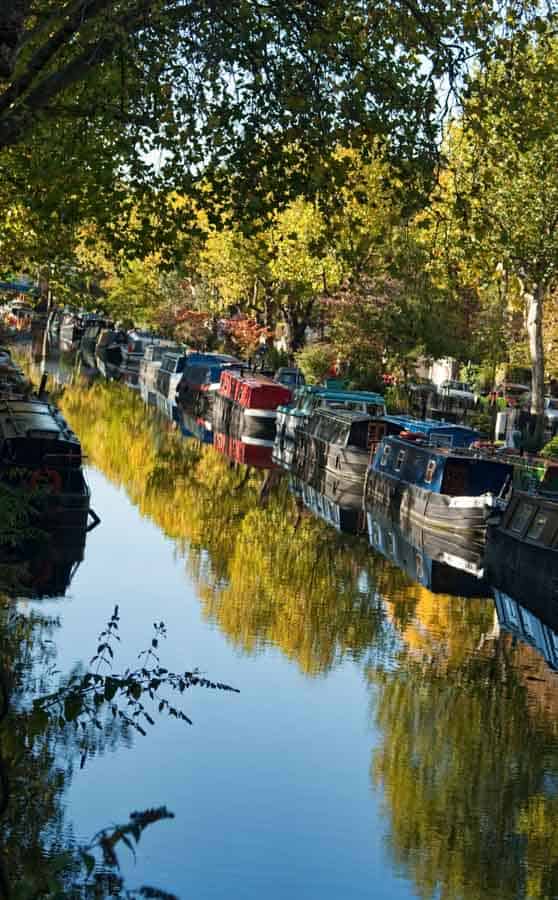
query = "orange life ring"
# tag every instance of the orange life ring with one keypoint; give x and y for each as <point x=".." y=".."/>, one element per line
<point x="46" y="476"/>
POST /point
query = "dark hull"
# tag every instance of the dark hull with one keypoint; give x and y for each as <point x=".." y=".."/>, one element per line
<point x="525" y="571"/>
<point x="408" y="504"/>
<point x="312" y="456"/>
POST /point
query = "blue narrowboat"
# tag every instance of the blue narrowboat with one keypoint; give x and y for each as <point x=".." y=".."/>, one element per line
<point x="446" y="487"/>
<point x="200" y="381"/>
<point x="432" y="430"/>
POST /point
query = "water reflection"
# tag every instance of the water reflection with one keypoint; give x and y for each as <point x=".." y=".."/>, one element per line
<point x="468" y="755"/>
<point x="462" y="698"/>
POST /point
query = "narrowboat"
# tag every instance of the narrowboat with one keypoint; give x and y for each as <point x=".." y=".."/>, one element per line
<point x="71" y="331"/>
<point x="108" y="353"/>
<point x="435" y="431"/>
<point x="246" y="404"/>
<point x="39" y="453"/>
<point x="522" y="550"/>
<point x="132" y="350"/>
<point x="93" y="327"/>
<point x="311" y="397"/>
<point x="334" y="441"/>
<point x="200" y="381"/>
<point x="439" y="487"/>
<point x="441" y="562"/>
<point x="149" y="367"/>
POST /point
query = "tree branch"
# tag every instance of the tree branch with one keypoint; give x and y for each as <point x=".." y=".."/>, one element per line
<point x="81" y="13"/>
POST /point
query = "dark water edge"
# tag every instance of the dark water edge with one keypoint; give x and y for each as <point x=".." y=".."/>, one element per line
<point x="387" y="741"/>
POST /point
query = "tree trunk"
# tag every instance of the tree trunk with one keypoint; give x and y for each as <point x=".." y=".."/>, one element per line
<point x="536" y="348"/>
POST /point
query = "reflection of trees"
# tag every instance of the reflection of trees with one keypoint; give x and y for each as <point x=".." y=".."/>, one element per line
<point x="466" y="762"/>
<point x="260" y="578"/>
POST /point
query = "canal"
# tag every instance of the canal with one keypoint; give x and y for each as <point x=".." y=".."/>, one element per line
<point x="387" y="741"/>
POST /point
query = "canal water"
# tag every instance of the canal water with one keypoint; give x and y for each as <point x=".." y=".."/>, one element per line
<point x="386" y="740"/>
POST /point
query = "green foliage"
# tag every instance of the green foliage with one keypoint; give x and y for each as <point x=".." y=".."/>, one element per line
<point x="550" y="449"/>
<point x="315" y="361"/>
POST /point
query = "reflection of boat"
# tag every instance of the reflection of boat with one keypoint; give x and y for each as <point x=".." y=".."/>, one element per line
<point x="439" y="487"/>
<point x="522" y="551"/>
<point x="13" y="383"/>
<point x="245" y="449"/>
<point x="337" y="505"/>
<point x="93" y="328"/>
<point x="439" y="561"/>
<point x="522" y="623"/>
<point x="44" y="567"/>
<point x="246" y="404"/>
<point x="200" y="428"/>
<point x="71" y="331"/>
<point x="108" y="353"/>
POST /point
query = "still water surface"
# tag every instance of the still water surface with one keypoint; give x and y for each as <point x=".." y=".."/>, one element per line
<point x="387" y="742"/>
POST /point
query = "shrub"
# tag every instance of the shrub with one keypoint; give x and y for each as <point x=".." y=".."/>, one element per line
<point x="550" y="450"/>
<point x="315" y="361"/>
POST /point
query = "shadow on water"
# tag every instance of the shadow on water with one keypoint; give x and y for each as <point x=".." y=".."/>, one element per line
<point x="463" y="695"/>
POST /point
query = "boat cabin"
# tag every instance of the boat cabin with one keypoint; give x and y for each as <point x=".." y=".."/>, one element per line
<point x="310" y="397"/>
<point x="441" y="470"/>
<point x="342" y="427"/>
<point x="440" y="433"/>
<point x="33" y="433"/>
<point x="251" y="391"/>
<point x="532" y="519"/>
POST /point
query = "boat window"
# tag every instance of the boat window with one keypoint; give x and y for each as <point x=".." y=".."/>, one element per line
<point x="399" y="461"/>
<point x="419" y="565"/>
<point x="385" y="456"/>
<point x="521" y="516"/>
<point x="537" y="526"/>
<point x="430" y="469"/>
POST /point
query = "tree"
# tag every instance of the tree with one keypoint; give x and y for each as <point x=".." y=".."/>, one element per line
<point x="247" y="98"/>
<point x="504" y="166"/>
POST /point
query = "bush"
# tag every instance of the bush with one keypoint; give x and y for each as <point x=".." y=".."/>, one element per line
<point x="550" y="450"/>
<point x="315" y="361"/>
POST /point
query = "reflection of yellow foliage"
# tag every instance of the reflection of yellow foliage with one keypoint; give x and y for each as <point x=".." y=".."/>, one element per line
<point x="444" y="629"/>
<point x="262" y="579"/>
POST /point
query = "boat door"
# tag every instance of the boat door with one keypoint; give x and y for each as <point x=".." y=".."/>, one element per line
<point x="456" y="478"/>
<point x="376" y="432"/>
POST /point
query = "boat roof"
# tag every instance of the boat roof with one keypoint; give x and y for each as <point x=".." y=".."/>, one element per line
<point x="434" y="449"/>
<point x="339" y="394"/>
<point x="429" y="426"/>
<point x="348" y="416"/>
